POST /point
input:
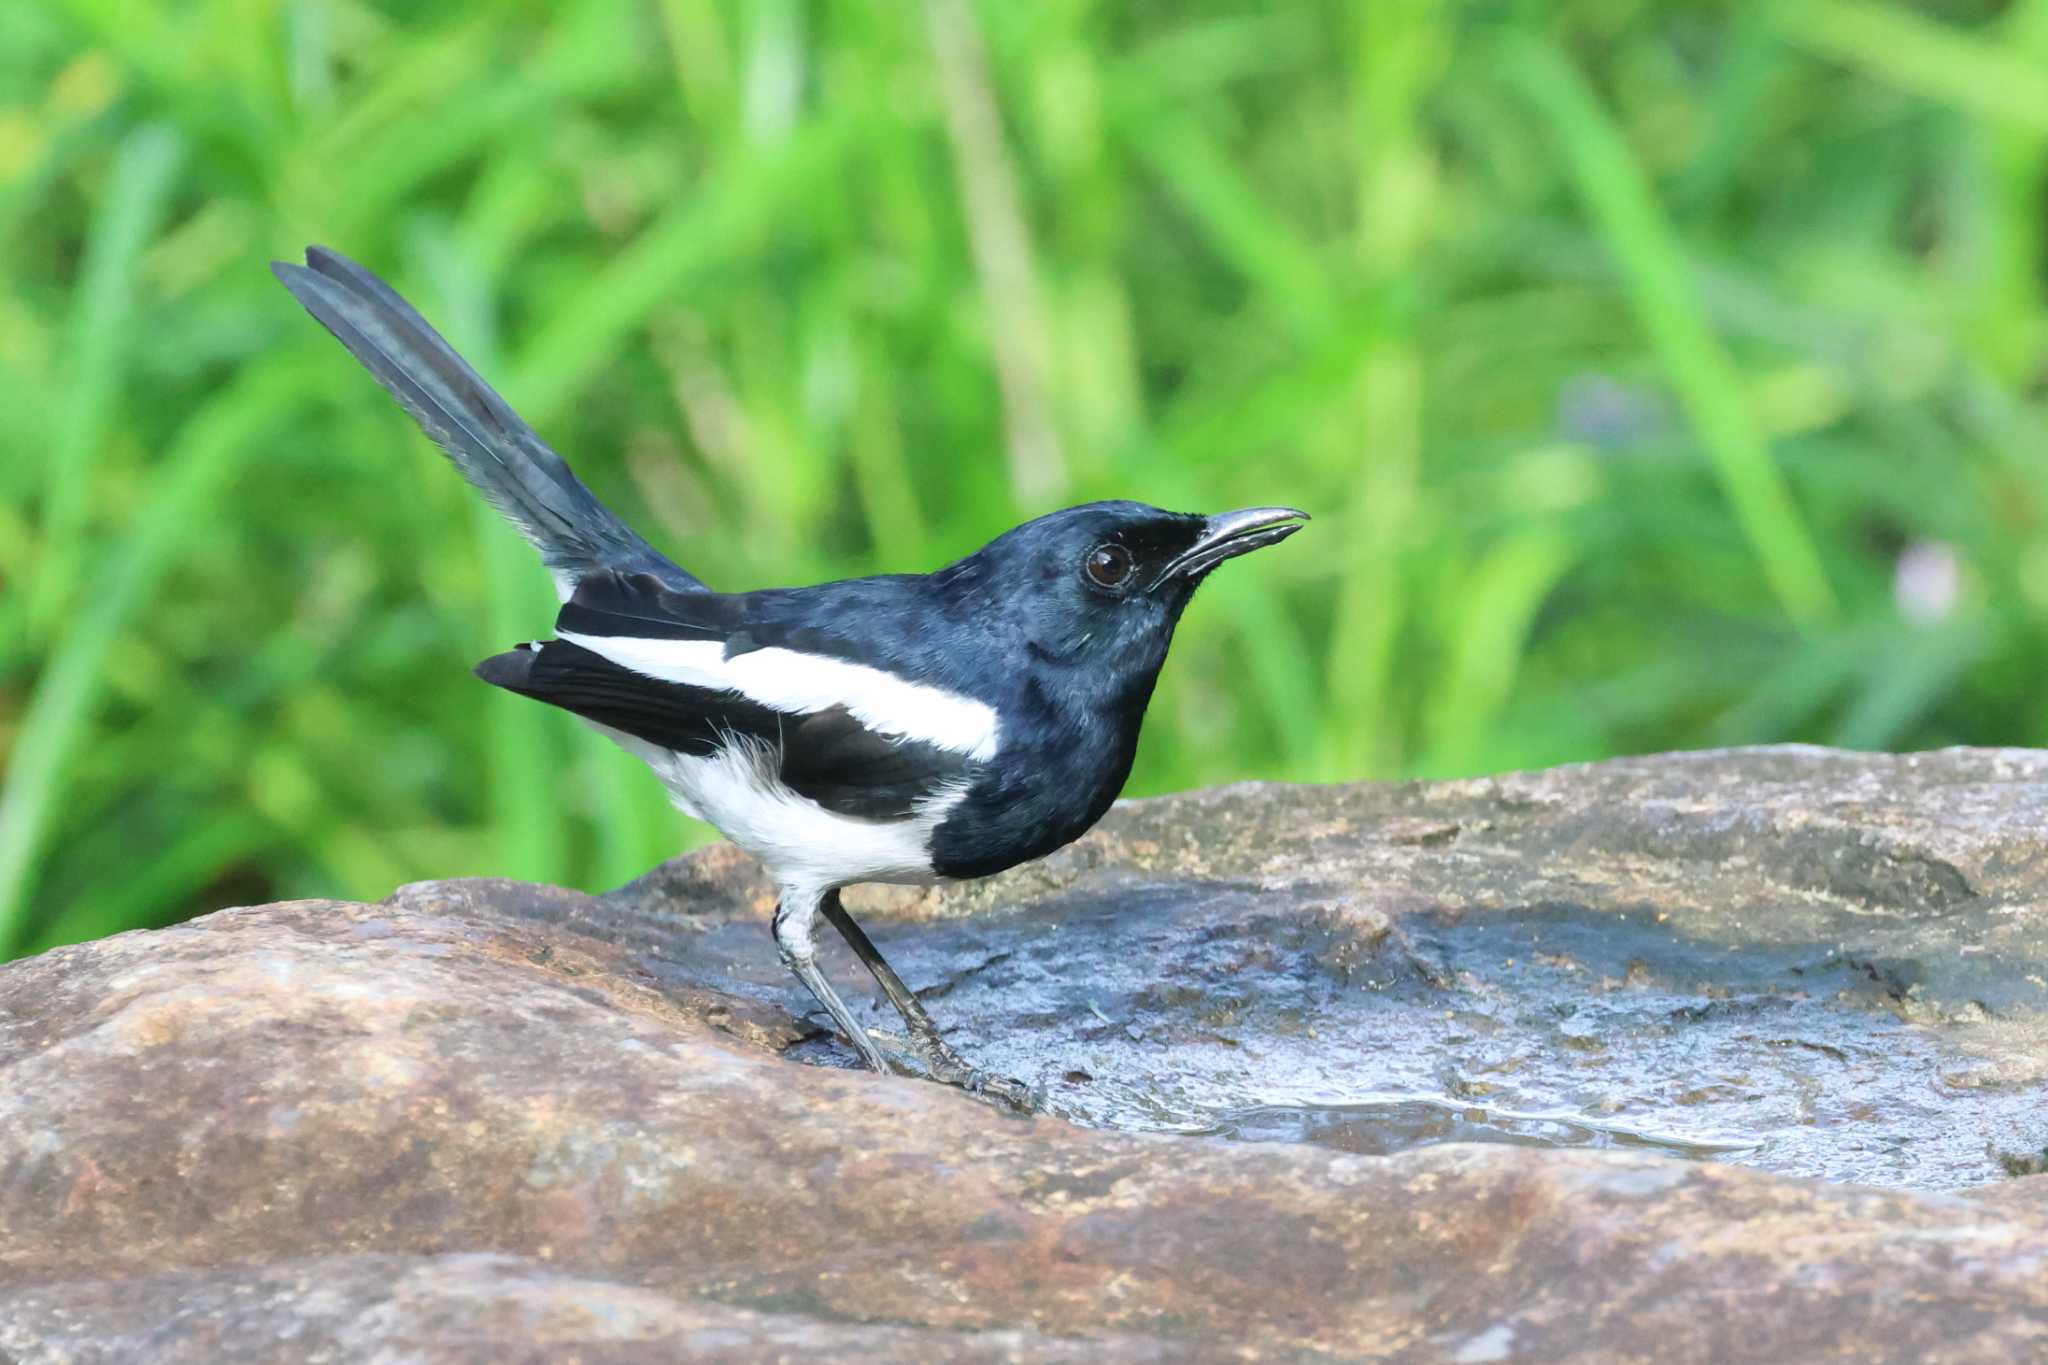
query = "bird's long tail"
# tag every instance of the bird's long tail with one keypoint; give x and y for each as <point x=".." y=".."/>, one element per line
<point x="495" y="450"/>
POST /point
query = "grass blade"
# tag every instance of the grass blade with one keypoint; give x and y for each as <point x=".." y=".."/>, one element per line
<point x="1660" y="285"/>
<point x="102" y="331"/>
<point x="1922" y="56"/>
<point x="61" y="705"/>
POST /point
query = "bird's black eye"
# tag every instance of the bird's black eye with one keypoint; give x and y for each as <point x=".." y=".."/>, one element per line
<point x="1109" y="565"/>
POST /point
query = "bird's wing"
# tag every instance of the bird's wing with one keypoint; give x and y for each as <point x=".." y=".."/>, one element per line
<point x="691" y="671"/>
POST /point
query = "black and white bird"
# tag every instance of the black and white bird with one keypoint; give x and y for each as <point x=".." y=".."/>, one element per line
<point x="900" y="728"/>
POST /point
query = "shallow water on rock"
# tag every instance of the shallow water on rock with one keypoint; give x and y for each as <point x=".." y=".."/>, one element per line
<point x="1200" y="1012"/>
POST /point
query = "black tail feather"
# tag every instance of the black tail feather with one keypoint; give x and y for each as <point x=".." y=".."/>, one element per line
<point x="512" y="670"/>
<point x="495" y="450"/>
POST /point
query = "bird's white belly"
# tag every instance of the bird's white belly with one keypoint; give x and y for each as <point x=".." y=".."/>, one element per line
<point x="799" y="842"/>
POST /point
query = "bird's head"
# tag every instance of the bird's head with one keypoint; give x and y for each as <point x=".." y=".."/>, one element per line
<point x="1101" y="586"/>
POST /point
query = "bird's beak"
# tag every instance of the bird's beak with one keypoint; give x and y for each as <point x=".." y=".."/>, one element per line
<point x="1228" y="534"/>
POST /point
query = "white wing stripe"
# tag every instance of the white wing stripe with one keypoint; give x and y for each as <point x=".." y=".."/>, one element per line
<point x="798" y="683"/>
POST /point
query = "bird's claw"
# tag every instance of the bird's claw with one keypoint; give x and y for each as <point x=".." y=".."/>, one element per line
<point x="1010" y="1093"/>
<point x="940" y="1064"/>
<point x="948" y="1068"/>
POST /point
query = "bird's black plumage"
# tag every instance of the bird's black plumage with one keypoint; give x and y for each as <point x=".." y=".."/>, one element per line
<point x="826" y="756"/>
<point x="493" y="447"/>
<point x="899" y="727"/>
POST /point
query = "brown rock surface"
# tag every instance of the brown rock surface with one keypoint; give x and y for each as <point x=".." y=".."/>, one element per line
<point x="492" y="1122"/>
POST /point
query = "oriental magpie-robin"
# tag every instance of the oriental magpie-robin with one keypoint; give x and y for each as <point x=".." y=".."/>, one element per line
<point x="901" y="728"/>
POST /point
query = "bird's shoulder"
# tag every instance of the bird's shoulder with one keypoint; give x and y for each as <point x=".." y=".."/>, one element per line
<point x="863" y="621"/>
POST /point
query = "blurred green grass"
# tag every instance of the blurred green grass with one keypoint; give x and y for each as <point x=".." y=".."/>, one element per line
<point x="1659" y="376"/>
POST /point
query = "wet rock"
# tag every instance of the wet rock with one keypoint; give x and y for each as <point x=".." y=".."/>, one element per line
<point x="1818" y="963"/>
<point x="491" y="1121"/>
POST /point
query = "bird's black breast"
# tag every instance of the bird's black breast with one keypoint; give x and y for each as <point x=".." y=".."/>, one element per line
<point x="1066" y="755"/>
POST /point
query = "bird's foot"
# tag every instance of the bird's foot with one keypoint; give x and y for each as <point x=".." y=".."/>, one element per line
<point x="1004" y="1092"/>
<point x="939" y="1063"/>
<point x="947" y="1067"/>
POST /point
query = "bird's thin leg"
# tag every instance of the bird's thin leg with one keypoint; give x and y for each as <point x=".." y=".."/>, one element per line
<point x="946" y="1065"/>
<point x="924" y="1033"/>
<point x="793" y="919"/>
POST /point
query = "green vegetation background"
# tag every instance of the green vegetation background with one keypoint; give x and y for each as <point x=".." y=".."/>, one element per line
<point x="1659" y="376"/>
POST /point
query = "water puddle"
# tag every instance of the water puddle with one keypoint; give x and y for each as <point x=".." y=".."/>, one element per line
<point x="1382" y="1124"/>
<point x="1210" y="1009"/>
<point x="1210" y="1015"/>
